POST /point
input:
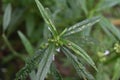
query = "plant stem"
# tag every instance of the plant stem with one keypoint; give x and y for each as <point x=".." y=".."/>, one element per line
<point x="11" y="48"/>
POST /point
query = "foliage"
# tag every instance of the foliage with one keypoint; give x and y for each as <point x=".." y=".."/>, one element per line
<point x="91" y="40"/>
<point x="56" y="40"/>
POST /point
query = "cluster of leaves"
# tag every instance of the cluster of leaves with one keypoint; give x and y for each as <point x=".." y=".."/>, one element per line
<point x="59" y="40"/>
<point x="74" y="41"/>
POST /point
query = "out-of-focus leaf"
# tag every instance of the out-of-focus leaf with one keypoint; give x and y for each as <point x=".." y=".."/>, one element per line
<point x="7" y="16"/>
<point x="63" y="32"/>
<point x="46" y="32"/>
<point x="30" y="65"/>
<point x="55" y="73"/>
<point x="83" y="6"/>
<point x="82" y="40"/>
<point x="32" y="75"/>
<point x="90" y="3"/>
<point x="16" y="18"/>
<point x="104" y="4"/>
<point x="78" y="50"/>
<point x="102" y="74"/>
<point x="78" y="66"/>
<point x="82" y="25"/>
<point x="116" y="74"/>
<point x="30" y="24"/>
<point x="45" y="63"/>
<point x="26" y="43"/>
<point x="47" y="19"/>
<point x="7" y="58"/>
<point x="103" y="25"/>
<point x="60" y="3"/>
<point x="110" y="29"/>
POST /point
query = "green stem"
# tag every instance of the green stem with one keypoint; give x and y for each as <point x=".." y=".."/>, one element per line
<point x="11" y="48"/>
<point x="92" y="12"/>
<point x="111" y="59"/>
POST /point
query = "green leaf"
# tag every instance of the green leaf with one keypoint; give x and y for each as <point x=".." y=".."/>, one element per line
<point x="78" y="66"/>
<point x="104" y="4"/>
<point x="103" y="26"/>
<point x="8" y="58"/>
<point x="110" y="29"/>
<point x="47" y="19"/>
<point x="82" y="40"/>
<point x="45" y="63"/>
<point x="26" y="43"/>
<point x="7" y="16"/>
<point x="63" y="32"/>
<point x="30" y="65"/>
<point x="83" y="6"/>
<point x="103" y="74"/>
<point x="46" y="32"/>
<point x="16" y="19"/>
<point x="32" y="75"/>
<point x="116" y="74"/>
<point x="30" y="24"/>
<point x="91" y="5"/>
<point x="82" y="25"/>
<point x="78" y="50"/>
<point x="55" y="72"/>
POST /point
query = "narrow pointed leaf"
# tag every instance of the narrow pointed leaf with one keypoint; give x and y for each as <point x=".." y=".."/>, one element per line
<point x="82" y="40"/>
<point x="30" y="24"/>
<point x="116" y="74"/>
<point x="32" y="75"/>
<point x="55" y="72"/>
<point x="63" y="32"/>
<point x="78" y="50"/>
<point x="110" y="29"/>
<point x="46" y="17"/>
<point x="104" y="4"/>
<point x="46" y="32"/>
<point x="83" y="6"/>
<point x="30" y="65"/>
<point x="82" y="25"/>
<point x="7" y="16"/>
<point x="26" y="43"/>
<point x="106" y="30"/>
<point x="45" y="63"/>
<point x="78" y="66"/>
<point x="16" y="19"/>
